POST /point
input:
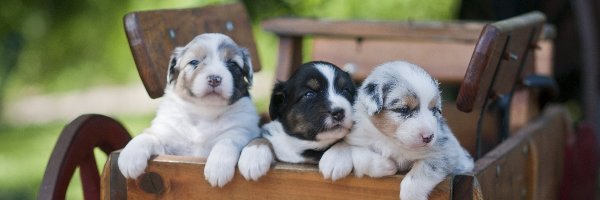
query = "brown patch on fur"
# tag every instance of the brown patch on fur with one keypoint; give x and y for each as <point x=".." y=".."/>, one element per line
<point x="384" y="122"/>
<point x="411" y="101"/>
<point x="433" y="101"/>
<point x="259" y="142"/>
<point x="313" y="84"/>
<point x="227" y="51"/>
<point x="185" y="79"/>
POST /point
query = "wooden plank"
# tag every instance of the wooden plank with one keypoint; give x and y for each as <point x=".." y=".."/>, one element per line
<point x="529" y="164"/>
<point x="289" y="57"/>
<point x="182" y="178"/>
<point x="445" y="60"/>
<point x="154" y="34"/>
<point x="113" y="182"/>
<point x="454" y="30"/>
<point x="497" y="60"/>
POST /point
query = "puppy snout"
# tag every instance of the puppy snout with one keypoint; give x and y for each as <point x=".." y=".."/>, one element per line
<point x="214" y="80"/>
<point x="338" y="114"/>
<point x="427" y="137"/>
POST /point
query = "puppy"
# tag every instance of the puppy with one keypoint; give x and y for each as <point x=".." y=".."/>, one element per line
<point x="206" y="110"/>
<point x="399" y="126"/>
<point x="310" y="112"/>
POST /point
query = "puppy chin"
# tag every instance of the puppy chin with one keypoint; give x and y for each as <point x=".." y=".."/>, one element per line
<point x="211" y="97"/>
<point x="335" y="133"/>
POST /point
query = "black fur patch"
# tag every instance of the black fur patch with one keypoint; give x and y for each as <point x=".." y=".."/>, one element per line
<point x="173" y="72"/>
<point x="313" y="155"/>
<point x="240" y="86"/>
<point x="303" y="110"/>
<point x="443" y="140"/>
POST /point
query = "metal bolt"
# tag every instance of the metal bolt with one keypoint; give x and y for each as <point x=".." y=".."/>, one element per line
<point x="523" y="193"/>
<point x="172" y="33"/>
<point x="229" y="26"/>
<point x="498" y="170"/>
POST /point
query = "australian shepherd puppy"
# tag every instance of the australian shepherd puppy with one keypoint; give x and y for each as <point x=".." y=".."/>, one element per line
<point x="309" y="112"/>
<point x="206" y="110"/>
<point x="399" y="127"/>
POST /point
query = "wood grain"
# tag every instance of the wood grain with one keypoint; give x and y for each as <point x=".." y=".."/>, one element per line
<point x="529" y="164"/>
<point x="153" y="35"/>
<point x="183" y="179"/>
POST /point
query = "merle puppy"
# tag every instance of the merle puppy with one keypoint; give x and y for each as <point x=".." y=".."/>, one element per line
<point x="207" y="90"/>
<point x="399" y="126"/>
<point x="310" y="112"/>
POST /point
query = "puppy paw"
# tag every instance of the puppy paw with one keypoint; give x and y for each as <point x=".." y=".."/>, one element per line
<point x="409" y="190"/>
<point x="336" y="162"/>
<point x="255" y="161"/>
<point x="372" y="164"/>
<point x="132" y="162"/>
<point x="220" y="166"/>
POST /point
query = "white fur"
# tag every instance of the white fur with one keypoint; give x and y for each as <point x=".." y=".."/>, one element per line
<point x="200" y="127"/>
<point x="337" y="100"/>
<point x="255" y="161"/>
<point x="376" y="154"/>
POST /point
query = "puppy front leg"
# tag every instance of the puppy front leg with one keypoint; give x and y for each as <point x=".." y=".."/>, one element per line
<point x="421" y="179"/>
<point x="220" y="165"/>
<point x="336" y="162"/>
<point x="134" y="157"/>
<point x="256" y="159"/>
<point x="370" y="163"/>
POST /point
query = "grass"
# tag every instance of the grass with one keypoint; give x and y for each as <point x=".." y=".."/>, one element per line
<point x="24" y="153"/>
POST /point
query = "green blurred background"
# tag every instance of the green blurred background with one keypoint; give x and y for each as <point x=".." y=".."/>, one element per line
<point x="57" y="47"/>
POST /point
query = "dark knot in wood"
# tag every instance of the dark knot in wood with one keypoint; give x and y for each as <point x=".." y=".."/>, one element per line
<point x="152" y="183"/>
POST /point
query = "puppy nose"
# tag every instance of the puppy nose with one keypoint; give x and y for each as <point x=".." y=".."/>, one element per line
<point x="427" y="138"/>
<point x="214" y="80"/>
<point x="337" y="114"/>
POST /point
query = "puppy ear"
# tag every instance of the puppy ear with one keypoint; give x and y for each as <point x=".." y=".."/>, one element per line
<point x="278" y="100"/>
<point x="247" y="70"/>
<point x="173" y="71"/>
<point x="372" y="98"/>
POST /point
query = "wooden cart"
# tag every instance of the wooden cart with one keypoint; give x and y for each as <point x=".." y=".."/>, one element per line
<point x="491" y="69"/>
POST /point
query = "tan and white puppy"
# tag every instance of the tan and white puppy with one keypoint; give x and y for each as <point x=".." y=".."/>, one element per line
<point x="399" y="126"/>
<point x="206" y="110"/>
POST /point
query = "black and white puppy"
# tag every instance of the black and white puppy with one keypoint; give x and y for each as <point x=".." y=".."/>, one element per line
<point x="206" y="110"/>
<point x="309" y="112"/>
<point x="399" y="126"/>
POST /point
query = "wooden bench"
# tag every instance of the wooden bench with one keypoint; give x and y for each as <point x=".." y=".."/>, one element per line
<point x="494" y="63"/>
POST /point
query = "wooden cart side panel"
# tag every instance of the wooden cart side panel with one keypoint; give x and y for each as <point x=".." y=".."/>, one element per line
<point x="529" y="164"/>
<point x="176" y="177"/>
<point x="113" y="182"/>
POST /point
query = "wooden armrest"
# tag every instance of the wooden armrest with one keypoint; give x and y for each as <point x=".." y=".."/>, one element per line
<point x="75" y="148"/>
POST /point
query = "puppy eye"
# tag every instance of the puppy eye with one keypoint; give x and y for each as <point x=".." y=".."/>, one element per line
<point x="436" y="110"/>
<point x="346" y="91"/>
<point x="310" y="94"/>
<point x="404" y="110"/>
<point x="231" y="63"/>
<point x="194" y="63"/>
